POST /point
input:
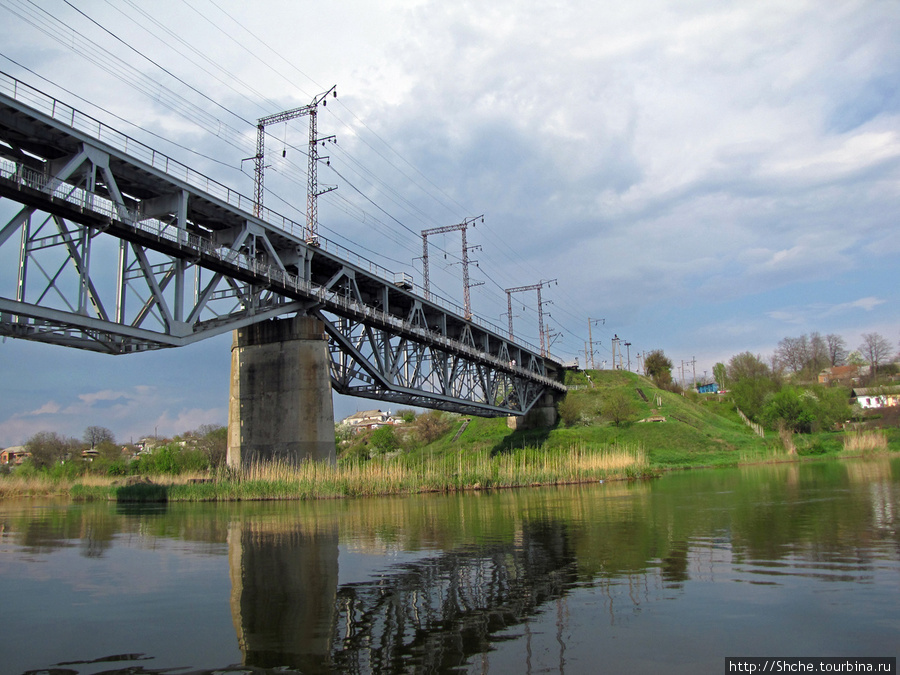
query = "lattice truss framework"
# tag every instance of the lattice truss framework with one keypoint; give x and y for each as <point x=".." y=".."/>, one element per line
<point x="109" y="253"/>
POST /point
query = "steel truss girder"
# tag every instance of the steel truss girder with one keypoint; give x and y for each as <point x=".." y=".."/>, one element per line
<point x="119" y="255"/>
<point x="377" y="363"/>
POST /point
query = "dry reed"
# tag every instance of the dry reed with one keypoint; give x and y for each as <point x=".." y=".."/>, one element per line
<point x="865" y="442"/>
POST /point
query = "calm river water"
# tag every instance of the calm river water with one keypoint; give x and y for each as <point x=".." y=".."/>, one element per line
<point x="666" y="576"/>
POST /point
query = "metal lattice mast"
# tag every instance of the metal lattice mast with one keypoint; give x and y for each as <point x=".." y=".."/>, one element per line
<point x="592" y="322"/>
<point x="312" y="186"/>
<point x="533" y="287"/>
<point x="465" y="259"/>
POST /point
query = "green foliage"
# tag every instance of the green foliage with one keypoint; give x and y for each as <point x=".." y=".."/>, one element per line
<point x="212" y="441"/>
<point x="570" y="409"/>
<point x="171" y="459"/>
<point x="618" y="407"/>
<point x="791" y="409"/>
<point x="658" y="366"/>
<point x="383" y="440"/>
<point x="720" y="375"/>
<point x="806" y="410"/>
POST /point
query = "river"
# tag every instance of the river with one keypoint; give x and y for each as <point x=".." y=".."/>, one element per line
<point x="667" y="576"/>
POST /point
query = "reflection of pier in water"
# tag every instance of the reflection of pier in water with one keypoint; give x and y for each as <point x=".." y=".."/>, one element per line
<point x="429" y="615"/>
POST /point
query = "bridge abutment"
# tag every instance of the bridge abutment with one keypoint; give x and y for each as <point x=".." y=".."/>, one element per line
<point x="280" y="406"/>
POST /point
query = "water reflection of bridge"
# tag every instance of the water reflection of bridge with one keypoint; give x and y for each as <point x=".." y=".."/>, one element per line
<point x="429" y="615"/>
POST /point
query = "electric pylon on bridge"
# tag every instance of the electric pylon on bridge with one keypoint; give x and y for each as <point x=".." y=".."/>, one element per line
<point x="312" y="188"/>
<point x="533" y="287"/>
<point x="467" y="303"/>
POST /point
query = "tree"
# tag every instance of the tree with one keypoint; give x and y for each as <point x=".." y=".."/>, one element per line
<point x="617" y="407"/>
<point x="94" y="436"/>
<point x="836" y="348"/>
<point x="792" y="353"/>
<point x="751" y="382"/>
<point x="747" y="366"/>
<point x="431" y="425"/>
<point x="720" y="375"/>
<point x="806" y="355"/>
<point x="659" y="368"/>
<point x="212" y="441"/>
<point x="384" y="440"/>
<point x="875" y="349"/>
<point x="569" y="409"/>
<point x="48" y="448"/>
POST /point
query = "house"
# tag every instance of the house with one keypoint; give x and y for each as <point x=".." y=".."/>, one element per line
<point x="876" y="397"/>
<point x="14" y="455"/>
<point x="843" y="374"/>
<point x="710" y="388"/>
<point x="369" y="419"/>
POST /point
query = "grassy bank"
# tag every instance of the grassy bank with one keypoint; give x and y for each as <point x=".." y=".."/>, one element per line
<point x="380" y="476"/>
<point x="659" y="431"/>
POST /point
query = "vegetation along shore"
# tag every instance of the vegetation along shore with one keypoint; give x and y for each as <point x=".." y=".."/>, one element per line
<point x="613" y="425"/>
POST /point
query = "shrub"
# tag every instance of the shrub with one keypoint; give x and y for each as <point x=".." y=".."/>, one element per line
<point x="384" y="440"/>
<point x="570" y="410"/>
<point x="432" y="425"/>
<point x="171" y="459"/>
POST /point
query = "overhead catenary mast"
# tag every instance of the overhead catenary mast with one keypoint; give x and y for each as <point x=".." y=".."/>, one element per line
<point x="533" y="287"/>
<point x="465" y="259"/>
<point x="312" y="188"/>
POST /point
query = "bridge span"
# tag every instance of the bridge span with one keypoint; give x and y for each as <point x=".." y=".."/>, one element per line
<point x="122" y="249"/>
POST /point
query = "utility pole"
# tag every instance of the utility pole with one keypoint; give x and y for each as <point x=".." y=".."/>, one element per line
<point x="592" y="322"/>
<point x="312" y="189"/>
<point x="628" y="350"/>
<point x="465" y="260"/>
<point x="533" y="287"/>
<point x="615" y="342"/>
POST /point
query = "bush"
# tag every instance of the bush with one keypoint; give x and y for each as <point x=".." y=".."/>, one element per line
<point x="171" y="459"/>
<point x="570" y="410"/>
<point x="431" y="426"/>
<point x="384" y="440"/>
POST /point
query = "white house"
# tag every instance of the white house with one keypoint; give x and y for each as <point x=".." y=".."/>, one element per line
<point x="877" y="397"/>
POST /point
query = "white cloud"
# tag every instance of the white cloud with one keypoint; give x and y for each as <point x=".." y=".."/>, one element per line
<point x="676" y="166"/>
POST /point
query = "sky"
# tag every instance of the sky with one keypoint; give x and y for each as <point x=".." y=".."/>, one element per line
<point x="704" y="177"/>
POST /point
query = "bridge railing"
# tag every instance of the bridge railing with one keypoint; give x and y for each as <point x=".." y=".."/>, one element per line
<point x="97" y="204"/>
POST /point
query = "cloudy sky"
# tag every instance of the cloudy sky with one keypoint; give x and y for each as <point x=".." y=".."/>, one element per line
<point x="706" y="176"/>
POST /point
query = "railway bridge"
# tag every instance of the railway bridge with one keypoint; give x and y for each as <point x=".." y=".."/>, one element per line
<point x="121" y="249"/>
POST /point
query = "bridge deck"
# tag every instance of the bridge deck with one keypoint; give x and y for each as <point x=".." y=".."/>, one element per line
<point x="205" y="265"/>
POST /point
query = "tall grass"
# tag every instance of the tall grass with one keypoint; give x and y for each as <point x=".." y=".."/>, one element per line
<point x="380" y="476"/>
<point x="865" y="442"/>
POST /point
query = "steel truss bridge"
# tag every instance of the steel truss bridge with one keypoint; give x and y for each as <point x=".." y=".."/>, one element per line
<point x="122" y="249"/>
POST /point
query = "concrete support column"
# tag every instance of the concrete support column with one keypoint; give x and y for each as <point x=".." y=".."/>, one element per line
<point x="280" y="405"/>
<point x="542" y="416"/>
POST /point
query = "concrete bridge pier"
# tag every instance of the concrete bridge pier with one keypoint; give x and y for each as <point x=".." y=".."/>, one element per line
<point x="280" y="406"/>
<point x="542" y="415"/>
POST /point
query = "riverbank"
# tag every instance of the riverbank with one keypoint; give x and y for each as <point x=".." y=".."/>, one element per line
<point x="380" y="476"/>
<point x="659" y="431"/>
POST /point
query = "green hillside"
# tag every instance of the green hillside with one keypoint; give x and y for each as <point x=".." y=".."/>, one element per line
<point x="688" y="431"/>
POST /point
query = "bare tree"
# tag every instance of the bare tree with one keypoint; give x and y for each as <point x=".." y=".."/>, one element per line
<point x="818" y="354"/>
<point x="94" y="436"/>
<point x="837" y="349"/>
<point x="875" y="349"/>
<point x="48" y="447"/>
<point x="793" y="353"/>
